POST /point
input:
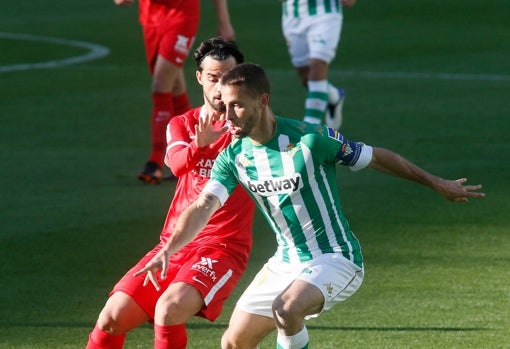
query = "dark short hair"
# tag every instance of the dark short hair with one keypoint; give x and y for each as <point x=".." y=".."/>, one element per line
<point x="218" y="49"/>
<point x="249" y="75"/>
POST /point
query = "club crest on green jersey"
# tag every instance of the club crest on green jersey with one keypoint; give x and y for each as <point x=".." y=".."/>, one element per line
<point x="291" y="149"/>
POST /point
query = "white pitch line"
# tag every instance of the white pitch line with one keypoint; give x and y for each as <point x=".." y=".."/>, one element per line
<point x="413" y="75"/>
<point x="98" y="51"/>
<point x="95" y="52"/>
<point x="408" y="75"/>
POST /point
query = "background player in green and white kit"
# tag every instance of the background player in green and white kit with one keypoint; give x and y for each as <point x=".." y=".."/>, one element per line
<point x="312" y="30"/>
<point x="288" y="167"/>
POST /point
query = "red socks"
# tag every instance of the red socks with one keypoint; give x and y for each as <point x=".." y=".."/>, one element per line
<point x="99" y="339"/>
<point x="170" y="337"/>
<point x="165" y="106"/>
<point x="162" y="111"/>
<point x="165" y="337"/>
<point x="181" y="104"/>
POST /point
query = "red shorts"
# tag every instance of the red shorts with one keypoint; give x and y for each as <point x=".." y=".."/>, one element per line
<point x="169" y="29"/>
<point x="213" y="270"/>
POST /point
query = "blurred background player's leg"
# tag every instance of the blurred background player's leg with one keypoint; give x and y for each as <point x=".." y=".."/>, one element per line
<point x="169" y="30"/>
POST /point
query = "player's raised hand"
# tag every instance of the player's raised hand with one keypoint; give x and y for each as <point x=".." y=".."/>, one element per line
<point x="124" y="2"/>
<point x="207" y="131"/>
<point x="348" y="3"/>
<point x="455" y="190"/>
<point x="226" y="31"/>
<point x="159" y="261"/>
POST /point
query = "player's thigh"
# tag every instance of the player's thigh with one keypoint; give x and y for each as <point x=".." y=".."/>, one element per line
<point x="214" y="271"/>
<point x="269" y="282"/>
<point x="133" y="286"/>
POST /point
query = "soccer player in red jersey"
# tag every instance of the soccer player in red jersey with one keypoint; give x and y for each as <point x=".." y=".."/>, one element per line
<point x="169" y="29"/>
<point x="204" y="273"/>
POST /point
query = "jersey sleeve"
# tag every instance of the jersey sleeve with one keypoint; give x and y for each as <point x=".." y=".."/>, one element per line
<point x="182" y="152"/>
<point x="355" y="155"/>
<point x="217" y="189"/>
<point x="223" y="180"/>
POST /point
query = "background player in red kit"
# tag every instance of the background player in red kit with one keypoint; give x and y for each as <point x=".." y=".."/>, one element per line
<point x="169" y="29"/>
<point x="204" y="273"/>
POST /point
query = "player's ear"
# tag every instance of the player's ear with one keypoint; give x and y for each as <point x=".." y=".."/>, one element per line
<point x="264" y="100"/>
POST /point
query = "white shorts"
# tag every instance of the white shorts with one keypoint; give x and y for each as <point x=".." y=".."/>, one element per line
<point x="312" y="37"/>
<point x="336" y="277"/>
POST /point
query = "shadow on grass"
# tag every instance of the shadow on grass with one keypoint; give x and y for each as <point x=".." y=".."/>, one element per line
<point x="310" y="327"/>
<point x="398" y="329"/>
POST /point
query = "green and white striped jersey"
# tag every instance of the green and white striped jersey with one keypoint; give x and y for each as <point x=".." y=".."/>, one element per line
<point x="306" y="8"/>
<point x="292" y="178"/>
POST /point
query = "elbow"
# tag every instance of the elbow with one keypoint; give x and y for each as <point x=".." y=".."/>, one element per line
<point x="167" y="162"/>
<point x="207" y="204"/>
<point x="177" y="169"/>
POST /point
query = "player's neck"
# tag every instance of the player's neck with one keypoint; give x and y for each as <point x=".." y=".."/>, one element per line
<point x="266" y="128"/>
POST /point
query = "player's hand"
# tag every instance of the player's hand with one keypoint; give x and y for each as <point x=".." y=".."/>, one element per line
<point x="124" y="2"/>
<point x="159" y="261"/>
<point x="348" y="3"/>
<point x="456" y="191"/>
<point x="207" y="132"/>
<point x="226" y="31"/>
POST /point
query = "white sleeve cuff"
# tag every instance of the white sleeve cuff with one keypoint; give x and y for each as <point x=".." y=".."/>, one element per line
<point x="217" y="189"/>
<point x="364" y="158"/>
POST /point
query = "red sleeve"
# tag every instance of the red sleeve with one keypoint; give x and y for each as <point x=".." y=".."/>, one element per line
<point x="182" y="152"/>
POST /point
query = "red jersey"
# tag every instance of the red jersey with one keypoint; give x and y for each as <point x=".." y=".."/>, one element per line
<point x="232" y="223"/>
<point x="216" y="259"/>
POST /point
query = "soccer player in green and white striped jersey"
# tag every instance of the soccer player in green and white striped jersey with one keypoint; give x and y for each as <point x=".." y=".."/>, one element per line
<point x="292" y="179"/>
<point x="312" y="30"/>
<point x="288" y="167"/>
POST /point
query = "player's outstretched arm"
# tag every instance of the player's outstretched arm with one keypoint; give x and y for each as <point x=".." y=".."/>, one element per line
<point x="225" y="28"/>
<point x="189" y="224"/>
<point x="386" y="161"/>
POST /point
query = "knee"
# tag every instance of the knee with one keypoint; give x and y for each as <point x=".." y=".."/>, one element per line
<point x="281" y="310"/>
<point x="286" y="313"/>
<point x="120" y="314"/>
<point x="225" y="342"/>
<point x="117" y="317"/>
<point x="245" y="339"/>
<point x="231" y="341"/>
<point x="110" y="323"/>
<point x="172" y="310"/>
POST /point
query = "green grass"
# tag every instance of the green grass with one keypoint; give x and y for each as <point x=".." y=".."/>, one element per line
<point x="428" y="79"/>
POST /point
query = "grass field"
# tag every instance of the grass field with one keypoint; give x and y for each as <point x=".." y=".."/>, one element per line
<point x="428" y="79"/>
